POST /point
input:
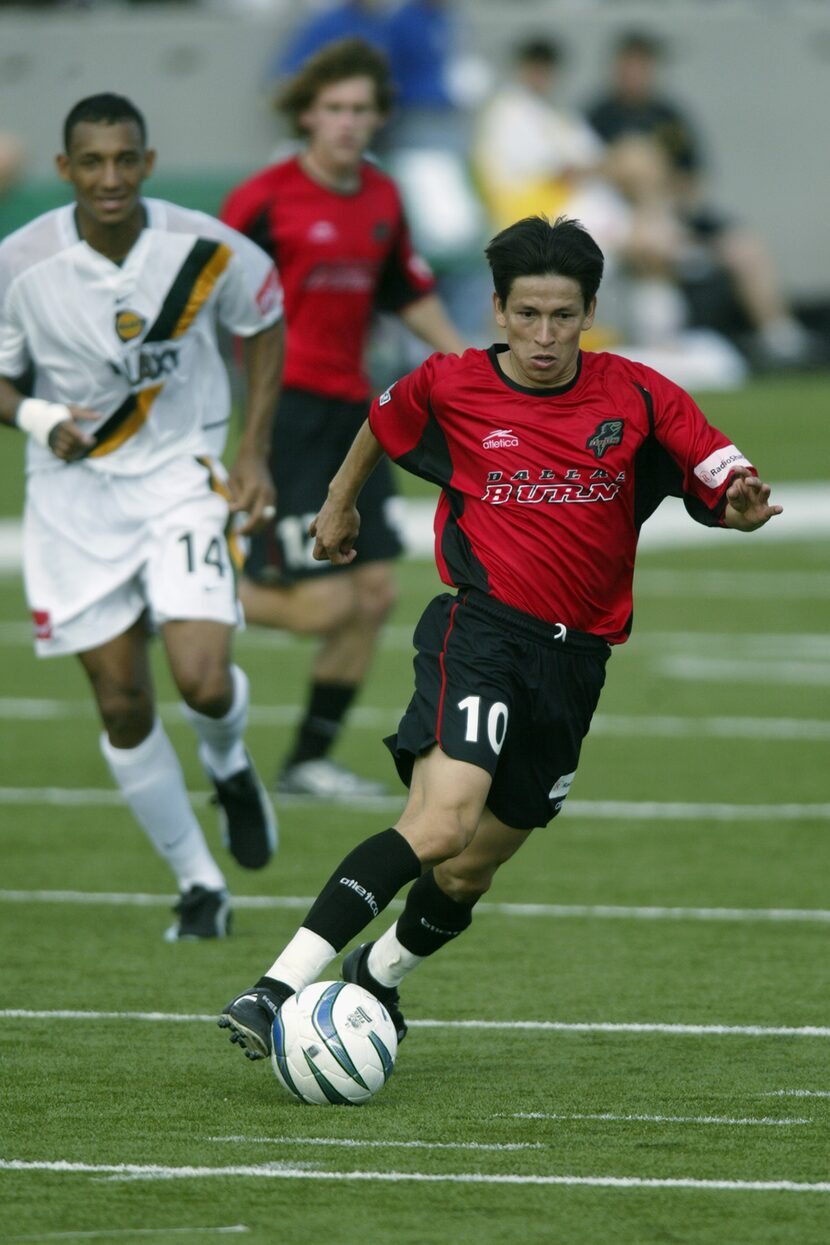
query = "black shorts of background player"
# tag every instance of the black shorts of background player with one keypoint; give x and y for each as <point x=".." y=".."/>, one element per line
<point x="310" y="441"/>
<point x="345" y="606"/>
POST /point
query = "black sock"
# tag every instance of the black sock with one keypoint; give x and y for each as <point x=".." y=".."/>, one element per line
<point x="430" y="918"/>
<point x="328" y="704"/>
<point x="362" y="886"/>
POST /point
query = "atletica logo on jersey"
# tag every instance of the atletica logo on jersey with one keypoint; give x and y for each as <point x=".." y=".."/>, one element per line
<point x="500" y="439"/>
<point x="322" y="231"/>
<point x="129" y="325"/>
<point x="608" y="433"/>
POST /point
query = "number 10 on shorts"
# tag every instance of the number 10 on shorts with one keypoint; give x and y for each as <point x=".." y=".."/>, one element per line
<point x="495" y="725"/>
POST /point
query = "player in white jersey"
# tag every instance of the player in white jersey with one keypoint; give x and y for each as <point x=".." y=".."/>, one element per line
<point x="113" y="303"/>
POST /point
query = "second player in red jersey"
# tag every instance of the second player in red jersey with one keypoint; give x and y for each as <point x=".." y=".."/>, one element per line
<point x="335" y="225"/>
<point x="341" y="257"/>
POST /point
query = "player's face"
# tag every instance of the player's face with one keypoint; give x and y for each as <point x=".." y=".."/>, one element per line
<point x="106" y="165"/>
<point x="342" y="121"/>
<point x="543" y="319"/>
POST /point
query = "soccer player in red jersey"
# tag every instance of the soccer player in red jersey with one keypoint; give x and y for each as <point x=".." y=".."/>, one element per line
<point x="335" y="224"/>
<point x="549" y="460"/>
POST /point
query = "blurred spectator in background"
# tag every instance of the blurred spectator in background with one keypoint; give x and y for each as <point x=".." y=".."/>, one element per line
<point x="726" y="271"/>
<point x="423" y="38"/>
<point x="533" y="156"/>
<point x="530" y="154"/>
<point x="358" y="19"/>
<point x="336" y="224"/>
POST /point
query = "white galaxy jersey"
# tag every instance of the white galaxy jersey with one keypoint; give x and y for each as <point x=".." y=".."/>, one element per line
<point x="134" y="341"/>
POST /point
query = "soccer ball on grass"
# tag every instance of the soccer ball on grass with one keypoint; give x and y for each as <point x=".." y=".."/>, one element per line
<point x="333" y="1043"/>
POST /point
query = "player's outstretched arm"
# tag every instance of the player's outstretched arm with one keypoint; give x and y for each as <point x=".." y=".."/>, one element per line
<point x="251" y="484"/>
<point x="747" y="503"/>
<point x="336" y="527"/>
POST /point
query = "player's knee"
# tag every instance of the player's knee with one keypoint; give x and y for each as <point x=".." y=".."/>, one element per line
<point x="464" y="885"/>
<point x="205" y="686"/>
<point x="437" y="837"/>
<point x="127" y="713"/>
<point x="326" y="606"/>
<point x="377" y="596"/>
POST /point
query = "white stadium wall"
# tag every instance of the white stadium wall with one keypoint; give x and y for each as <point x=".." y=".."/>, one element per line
<point x="755" y="75"/>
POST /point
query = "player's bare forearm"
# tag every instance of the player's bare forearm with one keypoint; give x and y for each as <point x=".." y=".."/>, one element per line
<point x="250" y="478"/>
<point x="336" y="527"/>
<point x="51" y="424"/>
<point x="747" y="504"/>
<point x="264" y="357"/>
<point x="428" y="320"/>
<point x="10" y="399"/>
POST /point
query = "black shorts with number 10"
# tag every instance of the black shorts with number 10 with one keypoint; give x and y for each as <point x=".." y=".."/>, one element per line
<point x="312" y="435"/>
<point x="505" y="691"/>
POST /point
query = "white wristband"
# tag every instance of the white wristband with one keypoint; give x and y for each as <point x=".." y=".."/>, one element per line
<point x="38" y="417"/>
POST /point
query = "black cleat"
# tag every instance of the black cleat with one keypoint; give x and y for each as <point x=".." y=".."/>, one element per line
<point x="249" y="825"/>
<point x="356" y="969"/>
<point x="250" y="1017"/>
<point x="200" y="913"/>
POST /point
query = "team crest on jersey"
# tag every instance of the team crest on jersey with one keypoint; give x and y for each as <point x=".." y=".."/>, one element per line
<point x="608" y="433"/>
<point x="129" y="325"/>
<point x="381" y="230"/>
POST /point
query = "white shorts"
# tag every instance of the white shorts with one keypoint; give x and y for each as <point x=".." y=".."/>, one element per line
<point x="99" y="550"/>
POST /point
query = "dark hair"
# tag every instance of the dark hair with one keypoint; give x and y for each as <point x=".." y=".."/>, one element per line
<point x="106" y="108"/>
<point x="538" y="52"/>
<point x="345" y="58"/>
<point x="639" y="41"/>
<point x="534" y="247"/>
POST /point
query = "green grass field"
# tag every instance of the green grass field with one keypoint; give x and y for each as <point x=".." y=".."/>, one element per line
<point x="629" y="1046"/>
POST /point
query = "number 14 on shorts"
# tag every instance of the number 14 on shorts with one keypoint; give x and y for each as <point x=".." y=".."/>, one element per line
<point x="213" y="554"/>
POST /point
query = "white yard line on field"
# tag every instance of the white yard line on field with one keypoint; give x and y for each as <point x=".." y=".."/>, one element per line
<point x="355" y="1143"/>
<point x="795" y="1093"/>
<point x="538" y="1026"/>
<point x="280" y="1171"/>
<point x="614" y="912"/>
<point x="732" y="670"/>
<point x="617" y="810"/>
<point x="651" y="1119"/>
<point x="109" y="1234"/>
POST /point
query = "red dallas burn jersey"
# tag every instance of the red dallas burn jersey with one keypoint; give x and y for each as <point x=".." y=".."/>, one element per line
<point x="339" y="257"/>
<point x="544" y="490"/>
